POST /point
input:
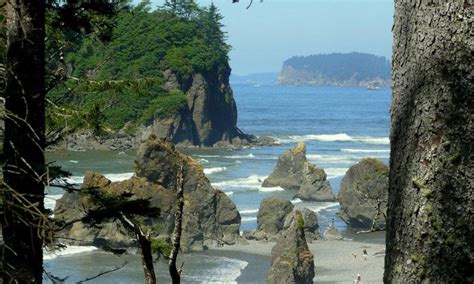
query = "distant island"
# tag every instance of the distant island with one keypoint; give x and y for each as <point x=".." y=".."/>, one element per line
<point x="336" y="69"/>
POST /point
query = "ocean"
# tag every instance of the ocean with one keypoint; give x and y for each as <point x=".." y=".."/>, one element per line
<point x="340" y="126"/>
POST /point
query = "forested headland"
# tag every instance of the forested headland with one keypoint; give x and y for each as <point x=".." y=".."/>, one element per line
<point x="335" y="69"/>
<point x="157" y="74"/>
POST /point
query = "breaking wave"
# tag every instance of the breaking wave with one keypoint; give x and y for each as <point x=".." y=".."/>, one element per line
<point x="210" y="171"/>
<point x="340" y="137"/>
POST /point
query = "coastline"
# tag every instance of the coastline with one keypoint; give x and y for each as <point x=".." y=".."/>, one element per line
<point x="333" y="260"/>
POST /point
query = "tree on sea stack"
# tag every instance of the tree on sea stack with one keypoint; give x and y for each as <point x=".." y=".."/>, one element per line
<point x="431" y="195"/>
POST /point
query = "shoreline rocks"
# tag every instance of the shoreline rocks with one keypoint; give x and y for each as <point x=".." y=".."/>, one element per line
<point x="292" y="261"/>
<point x="294" y="172"/>
<point x="364" y="195"/>
<point x="208" y="215"/>
<point x="276" y="215"/>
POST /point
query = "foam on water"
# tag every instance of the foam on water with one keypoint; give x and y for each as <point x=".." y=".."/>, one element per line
<point x="210" y="171"/>
<point x="249" y="156"/>
<point x="248" y="219"/>
<point x="118" y="177"/>
<point x="73" y="161"/>
<point x="365" y="150"/>
<point x="335" y="172"/>
<point x="252" y="182"/>
<point x="270" y="189"/>
<point x="229" y="193"/>
<point x="248" y="211"/>
<point x="69" y="250"/>
<point x="50" y="200"/>
<point x="296" y="201"/>
<point x="340" y="137"/>
<point x="226" y="270"/>
<point x="317" y="207"/>
<point x="203" y="161"/>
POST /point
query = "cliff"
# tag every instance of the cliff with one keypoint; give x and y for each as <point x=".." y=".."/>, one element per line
<point x="336" y="69"/>
<point x="208" y="117"/>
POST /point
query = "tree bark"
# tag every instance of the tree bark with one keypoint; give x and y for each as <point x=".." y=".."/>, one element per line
<point x="430" y="212"/>
<point x="174" y="272"/>
<point x="145" y="247"/>
<point x="24" y="169"/>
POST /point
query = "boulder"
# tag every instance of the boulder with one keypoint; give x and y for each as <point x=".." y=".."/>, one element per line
<point x="294" y="172"/>
<point x="208" y="214"/>
<point x="311" y="225"/>
<point x="271" y="215"/>
<point x="315" y="186"/>
<point x="332" y="234"/>
<point x="363" y="195"/>
<point x="292" y="261"/>
<point x="288" y="172"/>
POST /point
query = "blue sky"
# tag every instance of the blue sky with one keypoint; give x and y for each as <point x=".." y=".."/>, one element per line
<point x="268" y="33"/>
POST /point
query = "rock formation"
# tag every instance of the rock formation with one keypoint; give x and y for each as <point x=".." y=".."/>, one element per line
<point x="311" y="225"/>
<point x="209" y="117"/>
<point x="294" y="172"/>
<point x="271" y="215"/>
<point x="276" y="215"/>
<point x="292" y="262"/>
<point x="208" y="213"/>
<point x="363" y="195"/>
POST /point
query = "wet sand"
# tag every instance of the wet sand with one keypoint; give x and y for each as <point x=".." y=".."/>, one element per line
<point x="334" y="260"/>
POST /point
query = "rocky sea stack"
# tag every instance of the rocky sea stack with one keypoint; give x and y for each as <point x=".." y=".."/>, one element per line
<point x="292" y="261"/>
<point x="208" y="117"/>
<point x="276" y="215"/>
<point x="363" y="195"/>
<point x="294" y="172"/>
<point x="208" y="213"/>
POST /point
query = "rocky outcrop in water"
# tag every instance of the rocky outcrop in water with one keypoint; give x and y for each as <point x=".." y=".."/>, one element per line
<point x="292" y="262"/>
<point x="363" y="195"/>
<point x="276" y="215"/>
<point x="208" y="213"/>
<point x="294" y="172"/>
<point x="311" y="224"/>
<point x="271" y="216"/>
<point x="209" y="116"/>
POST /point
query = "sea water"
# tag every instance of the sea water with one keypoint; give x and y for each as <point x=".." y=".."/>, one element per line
<point x="340" y="126"/>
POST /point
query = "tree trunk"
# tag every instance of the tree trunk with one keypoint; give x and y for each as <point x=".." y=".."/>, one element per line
<point x="145" y="247"/>
<point x="430" y="212"/>
<point x="175" y="273"/>
<point x="24" y="169"/>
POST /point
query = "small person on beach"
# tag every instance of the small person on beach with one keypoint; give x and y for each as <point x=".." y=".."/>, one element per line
<point x="358" y="279"/>
<point x="354" y="255"/>
<point x="364" y="252"/>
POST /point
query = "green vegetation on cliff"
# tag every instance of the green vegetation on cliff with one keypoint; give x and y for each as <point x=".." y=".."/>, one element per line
<point x="123" y="78"/>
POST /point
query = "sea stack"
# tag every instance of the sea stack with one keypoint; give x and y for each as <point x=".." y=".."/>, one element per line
<point x="209" y="214"/>
<point x="363" y="195"/>
<point x="294" y="172"/>
<point x="292" y="261"/>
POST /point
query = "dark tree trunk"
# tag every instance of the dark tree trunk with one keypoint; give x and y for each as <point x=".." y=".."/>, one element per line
<point x="430" y="213"/>
<point x="145" y="247"/>
<point x="175" y="273"/>
<point x="24" y="169"/>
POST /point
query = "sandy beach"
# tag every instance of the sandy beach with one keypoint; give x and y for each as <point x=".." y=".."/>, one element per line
<point x="334" y="260"/>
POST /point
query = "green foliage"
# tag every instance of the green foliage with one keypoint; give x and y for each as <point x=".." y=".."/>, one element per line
<point x="120" y="81"/>
<point x="164" y="106"/>
<point x="161" y="247"/>
<point x="300" y="221"/>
